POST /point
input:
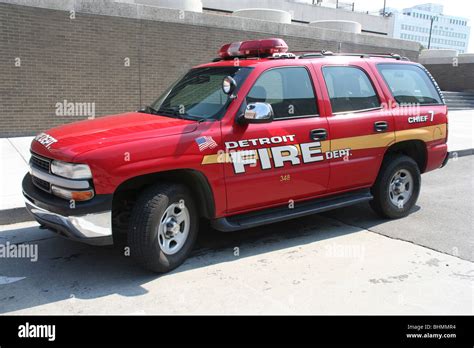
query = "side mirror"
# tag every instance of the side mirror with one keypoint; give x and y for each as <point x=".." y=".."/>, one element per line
<point x="229" y="85"/>
<point x="258" y="113"/>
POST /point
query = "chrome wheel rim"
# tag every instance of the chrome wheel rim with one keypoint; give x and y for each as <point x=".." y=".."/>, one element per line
<point x="401" y="188"/>
<point x="173" y="228"/>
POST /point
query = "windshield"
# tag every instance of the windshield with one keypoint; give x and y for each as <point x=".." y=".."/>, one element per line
<point x="199" y="95"/>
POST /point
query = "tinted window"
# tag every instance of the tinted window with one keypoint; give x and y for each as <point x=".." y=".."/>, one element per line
<point x="409" y="84"/>
<point x="288" y="90"/>
<point x="349" y="89"/>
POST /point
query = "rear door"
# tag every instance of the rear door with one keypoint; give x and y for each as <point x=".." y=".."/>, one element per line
<point x="361" y="126"/>
<point x="418" y="108"/>
<point x="288" y="169"/>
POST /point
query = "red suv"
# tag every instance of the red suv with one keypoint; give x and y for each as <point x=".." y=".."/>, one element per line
<point x="255" y="137"/>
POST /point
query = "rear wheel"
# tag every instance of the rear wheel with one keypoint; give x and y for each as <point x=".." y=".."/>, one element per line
<point x="163" y="227"/>
<point x="397" y="187"/>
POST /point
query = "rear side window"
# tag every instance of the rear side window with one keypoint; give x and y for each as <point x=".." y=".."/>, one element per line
<point x="349" y="89"/>
<point x="409" y="84"/>
<point x="288" y="90"/>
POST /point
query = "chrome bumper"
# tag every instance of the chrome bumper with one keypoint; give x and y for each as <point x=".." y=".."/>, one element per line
<point x="95" y="229"/>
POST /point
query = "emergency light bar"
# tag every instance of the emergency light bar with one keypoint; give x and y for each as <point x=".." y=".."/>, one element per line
<point x="253" y="48"/>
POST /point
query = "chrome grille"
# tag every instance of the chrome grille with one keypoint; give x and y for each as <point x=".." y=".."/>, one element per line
<point x="40" y="162"/>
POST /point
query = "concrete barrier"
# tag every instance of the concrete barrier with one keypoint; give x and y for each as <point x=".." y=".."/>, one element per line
<point x="466" y="58"/>
<point x="185" y="5"/>
<point x="347" y="26"/>
<point x="438" y="53"/>
<point x="264" y="14"/>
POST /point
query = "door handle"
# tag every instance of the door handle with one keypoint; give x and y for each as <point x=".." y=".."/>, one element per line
<point x="318" y="134"/>
<point x="380" y="126"/>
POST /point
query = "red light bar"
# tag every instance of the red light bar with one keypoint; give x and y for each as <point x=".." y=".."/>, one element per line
<point x="253" y="48"/>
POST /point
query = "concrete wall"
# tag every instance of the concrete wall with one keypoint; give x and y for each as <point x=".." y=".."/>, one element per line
<point x="310" y="13"/>
<point x="83" y="60"/>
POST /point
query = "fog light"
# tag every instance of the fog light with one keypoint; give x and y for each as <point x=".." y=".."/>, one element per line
<point x="74" y="195"/>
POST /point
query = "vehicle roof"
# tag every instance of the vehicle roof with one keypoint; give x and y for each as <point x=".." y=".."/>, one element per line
<point x="336" y="59"/>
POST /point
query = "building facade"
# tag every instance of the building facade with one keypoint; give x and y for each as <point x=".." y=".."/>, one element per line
<point x="447" y="32"/>
<point x="114" y="57"/>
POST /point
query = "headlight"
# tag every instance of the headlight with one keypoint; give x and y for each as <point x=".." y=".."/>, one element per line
<point x="71" y="170"/>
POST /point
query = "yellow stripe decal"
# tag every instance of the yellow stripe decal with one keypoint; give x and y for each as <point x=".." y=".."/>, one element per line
<point x="363" y="142"/>
<point x="428" y="133"/>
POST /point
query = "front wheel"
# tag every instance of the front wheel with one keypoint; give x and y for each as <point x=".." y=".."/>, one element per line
<point x="397" y="187"/>
<point x="163" y="227"/>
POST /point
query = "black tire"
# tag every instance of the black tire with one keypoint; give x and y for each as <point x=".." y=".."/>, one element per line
<point x="382" y="203"/>
<point x="143" y="238"/>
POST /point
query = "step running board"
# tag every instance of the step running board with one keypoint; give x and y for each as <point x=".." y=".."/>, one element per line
<point x="282" y="213"/>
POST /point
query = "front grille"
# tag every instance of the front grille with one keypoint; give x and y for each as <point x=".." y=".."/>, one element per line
<point x="44" y="185"/>
<point x="40" y="162"/>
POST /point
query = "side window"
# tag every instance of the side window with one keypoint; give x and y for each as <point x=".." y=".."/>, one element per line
<point x="349" y="89"/>
<point x="288" y="90"/>
<point x="409" y="84"/>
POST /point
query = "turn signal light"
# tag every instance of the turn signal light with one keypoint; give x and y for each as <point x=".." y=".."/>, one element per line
<point x="74" y="195"/>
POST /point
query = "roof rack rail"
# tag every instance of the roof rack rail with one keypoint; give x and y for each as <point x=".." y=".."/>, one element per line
<point x="376" y="55"/>
<point x="283" y="56"/>
<point x="315" y="53"/>
<point x="324" y="53"/>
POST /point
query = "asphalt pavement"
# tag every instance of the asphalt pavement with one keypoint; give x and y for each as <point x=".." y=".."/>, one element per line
<point x="442" y="219"/>
<point x="342" y="262"/>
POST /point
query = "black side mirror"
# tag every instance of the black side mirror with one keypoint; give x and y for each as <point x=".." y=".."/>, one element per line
<point x="228" y="86"/>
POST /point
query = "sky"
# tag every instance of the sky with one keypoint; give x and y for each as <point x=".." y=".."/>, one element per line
<point x="462" y="8"/>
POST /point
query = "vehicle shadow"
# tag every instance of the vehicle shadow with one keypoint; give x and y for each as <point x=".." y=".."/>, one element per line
<point x="361" y="215"/>
<point x="66" y="270"/>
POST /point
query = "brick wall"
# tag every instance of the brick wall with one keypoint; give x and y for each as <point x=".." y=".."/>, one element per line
<point x="453" y="78"/>
<point x="82" y="60"/>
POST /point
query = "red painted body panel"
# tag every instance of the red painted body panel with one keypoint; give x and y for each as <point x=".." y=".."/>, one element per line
<point x="363" y="165"/>
<point x="121" y="147"/>
<point x="436" y="153"/>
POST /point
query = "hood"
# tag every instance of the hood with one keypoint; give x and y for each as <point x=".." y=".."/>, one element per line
<point x="67" y="141"/>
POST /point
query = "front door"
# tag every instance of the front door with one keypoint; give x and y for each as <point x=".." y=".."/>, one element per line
<point x="279" y="162"/>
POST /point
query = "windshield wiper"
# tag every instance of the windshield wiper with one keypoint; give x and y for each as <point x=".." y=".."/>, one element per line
<point x="170" y="112"/>
<point x="195" y="118"/>
<point x="149" y="110"/>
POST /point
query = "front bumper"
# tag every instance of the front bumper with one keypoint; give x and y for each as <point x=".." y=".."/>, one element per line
<point x="90" y="223"/>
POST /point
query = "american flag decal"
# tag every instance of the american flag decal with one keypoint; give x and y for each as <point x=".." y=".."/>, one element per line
<point x="205" y="143"/>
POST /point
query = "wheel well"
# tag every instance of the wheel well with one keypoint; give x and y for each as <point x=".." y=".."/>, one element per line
<point x="416" y="149"/>
<point x="127" y="193"/>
